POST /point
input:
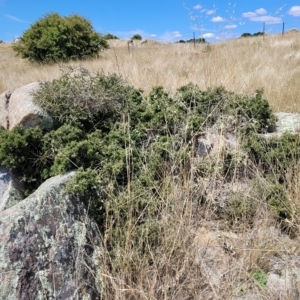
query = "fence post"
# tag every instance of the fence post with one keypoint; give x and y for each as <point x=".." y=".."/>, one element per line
<point x="130" y="46"/>
<point x="194" y="40"/>
<point x="283" y="29"/>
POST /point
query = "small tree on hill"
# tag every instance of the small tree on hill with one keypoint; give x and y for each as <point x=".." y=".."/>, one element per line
<point x="258" y="33"/>
<point x="54" y="38"/>
<point x="137" y="37"/>
<point x="110" y="36"/>
<point x="246" y="34"/>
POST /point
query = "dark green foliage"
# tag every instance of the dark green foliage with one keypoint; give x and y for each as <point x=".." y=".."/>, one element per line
<point x="234" y="165"/>
<point x="79" y="98"/>
<point x="273" y="155"/>
<point x="198" y="41"/>
<point x="130" y="151"/>
<point x="260" y="278"/>
<point x="207" y="104"/>
<point x="256" y="112"/>
<point x="258" y="33"/>
<point x="240" y="210"/>
<point x="246" y="34"/>
<point x="87" y="185"/>
<point x="137" y="37"/>
<point x="110" y="36"/>
<point x="20" y="150"/>
<point x="254" y="34"/>
<point x="54" y="38"/>
<point x="276" y="198"/>
<point x="252" y="113"/>
<point x="120" y="140"/>
<point x="85" y="153"/>
<point x="276" y="158"/>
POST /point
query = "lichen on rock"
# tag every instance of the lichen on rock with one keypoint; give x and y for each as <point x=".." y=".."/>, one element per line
<point x="49" y="248"/>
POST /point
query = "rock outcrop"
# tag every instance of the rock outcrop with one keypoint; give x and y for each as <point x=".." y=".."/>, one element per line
<point x="10" y="189"/>
<point x="287" y="122"/>
<point x="284" y="277"/>
<point x="213" y="140"/>
<point x="17" y="108"/>
<point x="49" y="248"/>
<point x="4" y="100"/>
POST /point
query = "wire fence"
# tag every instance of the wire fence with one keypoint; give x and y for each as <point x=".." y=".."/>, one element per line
<point x="231" y="31"/>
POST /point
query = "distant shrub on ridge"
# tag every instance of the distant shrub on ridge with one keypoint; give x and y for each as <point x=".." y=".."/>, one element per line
<point x="54" y="38"/>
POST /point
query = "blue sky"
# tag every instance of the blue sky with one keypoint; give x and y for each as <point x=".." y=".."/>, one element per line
<point x="163" y="20"/>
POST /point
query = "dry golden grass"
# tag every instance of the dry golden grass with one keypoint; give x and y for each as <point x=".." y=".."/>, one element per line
<point x="241" y="66"/>
<point x="196" y="252"/>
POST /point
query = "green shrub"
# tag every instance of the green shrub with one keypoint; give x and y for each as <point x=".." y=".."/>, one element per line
<point x="255" y="111"/>
<point x="259" y="33"/>
<point x="54" y="38"/>
<point x="78" y="98"/>
<point x="85" y="153"/>
<point x="277" y="199"/>
<point x="87" y="185"/>
<point x="110" y="36"/>
<point x="20" y="150"/>
<point x="274" y="155"/>
<point x="199" y="40"/>
<point x="209" y="104"/>
<point x="137" y="37"/>
<point x="246" y="34"/>
<point x="260" y="278"/>
<point x="240" y="209"/>
<point x="120" y="140"/>
<point x="250" y="113"/>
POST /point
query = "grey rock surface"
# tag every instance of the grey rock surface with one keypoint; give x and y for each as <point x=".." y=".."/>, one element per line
<point x="49" y="248"/>
<point x="23" y="111"/>
<point x="10" y="189"/>
<point x="287" y="122"/>
<point x="4" y="100"/>
<point x="284" y="277"/>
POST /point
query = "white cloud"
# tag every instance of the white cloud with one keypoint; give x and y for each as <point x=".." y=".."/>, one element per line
<point x="210" y="12"/>
<point x="16" y="19"/>
<point x="267" y="19"/>
<point x="176" y="34"/>
<point x="261" y="11"/>
<point x="208" y="35"/>
<point x="230" y="26"/>
<point x="258" y="16"/>
<point x="225" y="36"/>
<point x="153" y="35"/>
<point x="169" y="36"/>
<point x="249" y="14"/>
<point x="294" y="11"/>
<point x="218" y="19"/>
<point x="198" y="6"/>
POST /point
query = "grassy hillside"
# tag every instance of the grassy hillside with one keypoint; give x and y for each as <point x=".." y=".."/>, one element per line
<point x="241" y="66"/>
<point x="181" y="218"/>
